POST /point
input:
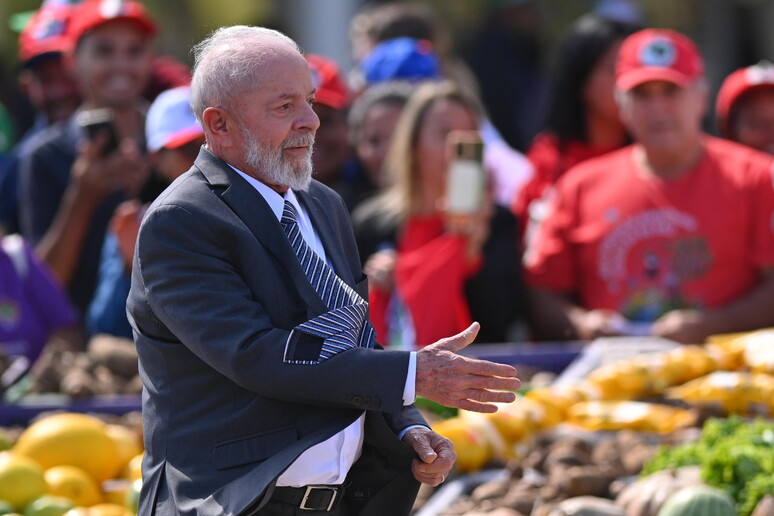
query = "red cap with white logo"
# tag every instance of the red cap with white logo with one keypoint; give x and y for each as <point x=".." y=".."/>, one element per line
<point x="657" y="55"/>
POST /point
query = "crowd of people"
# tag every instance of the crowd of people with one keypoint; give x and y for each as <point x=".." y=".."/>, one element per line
<point x="622" y="216"/>
<point x="284" y="242"/>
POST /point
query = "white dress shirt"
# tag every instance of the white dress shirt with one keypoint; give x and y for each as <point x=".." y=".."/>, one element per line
<point x="329" y="461"/>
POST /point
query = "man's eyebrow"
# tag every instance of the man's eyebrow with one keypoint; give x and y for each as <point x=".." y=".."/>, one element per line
<point x="287" y="96"/>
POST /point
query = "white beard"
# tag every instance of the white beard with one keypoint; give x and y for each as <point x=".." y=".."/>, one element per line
<point x="274" y="167"/>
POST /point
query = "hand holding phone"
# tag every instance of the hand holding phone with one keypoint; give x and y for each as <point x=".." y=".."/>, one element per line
<point x="98" y="125"/>
<point x="466" y="179"/>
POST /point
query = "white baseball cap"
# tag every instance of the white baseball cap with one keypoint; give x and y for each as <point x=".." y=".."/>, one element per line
<point x="171" y="122"/>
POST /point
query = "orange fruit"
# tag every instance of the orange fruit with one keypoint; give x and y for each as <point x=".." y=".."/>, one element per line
<point x="71" y="439"/>
<point x="21" y="480"/>
<point x="73" y="483"/>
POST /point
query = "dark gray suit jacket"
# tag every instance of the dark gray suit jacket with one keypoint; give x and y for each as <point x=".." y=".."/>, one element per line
<point x="216" y="290"/>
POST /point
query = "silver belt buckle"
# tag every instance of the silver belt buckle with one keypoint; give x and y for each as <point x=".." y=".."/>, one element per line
<point x="309" y="490"/>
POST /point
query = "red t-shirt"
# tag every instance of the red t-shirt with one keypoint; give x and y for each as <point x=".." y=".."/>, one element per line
<point x="550" y="162"/>
<point x="625" y="240"/>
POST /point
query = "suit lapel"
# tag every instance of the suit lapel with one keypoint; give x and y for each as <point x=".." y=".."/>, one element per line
<point x="255" y="213"/>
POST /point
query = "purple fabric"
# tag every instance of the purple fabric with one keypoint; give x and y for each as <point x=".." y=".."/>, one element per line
<point x="32" y="306"/>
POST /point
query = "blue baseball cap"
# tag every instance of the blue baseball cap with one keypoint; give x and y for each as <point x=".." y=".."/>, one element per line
<point x="401" y="58"/>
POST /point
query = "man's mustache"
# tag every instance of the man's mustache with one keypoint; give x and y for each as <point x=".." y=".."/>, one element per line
<point x="304" y="140"/>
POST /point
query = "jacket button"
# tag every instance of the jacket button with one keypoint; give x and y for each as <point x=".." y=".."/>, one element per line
<point x="356" y="400"/>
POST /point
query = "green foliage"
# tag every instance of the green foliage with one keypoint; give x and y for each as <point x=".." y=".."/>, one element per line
<point x="735" y="455"/>
<point x="436" y="408"/>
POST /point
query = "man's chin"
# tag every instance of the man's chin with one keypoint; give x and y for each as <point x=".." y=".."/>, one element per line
<point x="300" y="180"/>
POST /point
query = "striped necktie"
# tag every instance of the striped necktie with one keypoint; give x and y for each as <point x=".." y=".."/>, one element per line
<point x="346" y="325"/>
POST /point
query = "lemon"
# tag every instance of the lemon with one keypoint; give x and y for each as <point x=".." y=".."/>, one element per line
<point x="126" y="441"/>
<point x="21" y="480"/>
<point x="73" y="483"/>
<point x="48" y="505"/>
<point x="71" y="439"/>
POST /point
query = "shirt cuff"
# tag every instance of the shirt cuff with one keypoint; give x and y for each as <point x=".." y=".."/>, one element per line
<point x="409" y="390"/>
<point x="403" y="432"/>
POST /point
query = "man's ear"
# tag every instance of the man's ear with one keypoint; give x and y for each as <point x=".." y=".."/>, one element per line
<point x="219" y="126"/>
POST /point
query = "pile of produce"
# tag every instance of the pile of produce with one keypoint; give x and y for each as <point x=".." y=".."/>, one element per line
<point x="108" y="366"/>
<point x="660" y="397"/>
<point x="562" y="466"/>
<point x="71" y="464"/>
<point x="733" y="454"/>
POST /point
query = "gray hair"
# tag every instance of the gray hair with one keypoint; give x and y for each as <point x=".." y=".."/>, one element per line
<point x="227" y="62"/>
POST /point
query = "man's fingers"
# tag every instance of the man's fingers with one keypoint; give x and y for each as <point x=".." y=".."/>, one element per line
<point x="485" y="368"/>
<point x="459" y="341"/>
<point x="485" y="396"/>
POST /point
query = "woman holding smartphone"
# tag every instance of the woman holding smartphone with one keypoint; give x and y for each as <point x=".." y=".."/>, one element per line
<point x="433" y="269"/>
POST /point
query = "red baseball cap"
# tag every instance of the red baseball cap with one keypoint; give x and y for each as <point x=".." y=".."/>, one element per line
<point x="46" y="33"/>
<point x="331" y="89"/>
<point x="92" y="13"/>
<point x="737" y="84"/>
<point x="657" y="55"/>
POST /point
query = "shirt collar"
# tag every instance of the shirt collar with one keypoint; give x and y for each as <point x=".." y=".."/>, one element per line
<point x="275" y="200"/>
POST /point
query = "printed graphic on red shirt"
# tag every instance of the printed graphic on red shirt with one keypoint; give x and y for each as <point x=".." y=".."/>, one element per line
<point x="649" y="258"/>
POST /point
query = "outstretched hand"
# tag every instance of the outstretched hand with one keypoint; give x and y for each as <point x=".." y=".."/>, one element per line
<point x="457" y="381"/>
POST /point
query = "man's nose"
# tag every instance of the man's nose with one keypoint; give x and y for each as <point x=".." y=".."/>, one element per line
<point x="308" y="119"/>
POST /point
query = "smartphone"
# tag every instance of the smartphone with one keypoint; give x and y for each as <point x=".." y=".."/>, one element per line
<point x="96" y="122"/>
<point x="466" y="179"/>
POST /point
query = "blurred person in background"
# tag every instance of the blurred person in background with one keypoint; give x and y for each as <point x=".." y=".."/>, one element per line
<point x="431" y="273"/>
<point x="70" y="184"/>
<point x="49" y="86"/>
<point x="506" y="56"/>
<point x="174" y="138"/>
<point x="582" y="119"/>
<point x="375" y="24"/>
<point x="333" y="158"/>
<point x="34" y="308"/>
<point x="372" y="120"/>
<point x="670" y="236"/>
<point x="415" y="60"/>
<point x="744" y="108"/>
<point x="405" y="41"/>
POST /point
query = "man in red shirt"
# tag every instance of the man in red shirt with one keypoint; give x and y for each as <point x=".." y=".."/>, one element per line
<point x="672" y="236"/>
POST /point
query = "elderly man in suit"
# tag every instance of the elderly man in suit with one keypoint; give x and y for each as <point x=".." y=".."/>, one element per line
<point x="265" y="393"/>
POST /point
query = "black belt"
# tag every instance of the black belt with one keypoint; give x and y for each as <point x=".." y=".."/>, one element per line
<point x="311" y="498"/>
